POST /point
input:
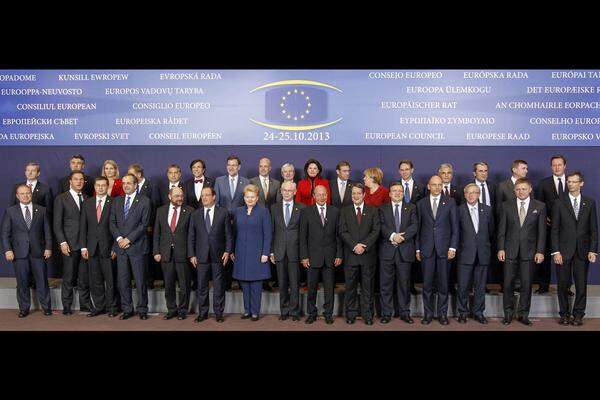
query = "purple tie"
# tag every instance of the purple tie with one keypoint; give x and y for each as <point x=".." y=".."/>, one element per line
<point x="322" y="216"/>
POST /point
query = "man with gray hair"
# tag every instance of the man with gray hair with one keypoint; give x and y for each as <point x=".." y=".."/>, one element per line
<point x="285" y="218"/>
<point x="446" y="172"/>
<point x="288" y="171"/>
<point x="474" y="252"/>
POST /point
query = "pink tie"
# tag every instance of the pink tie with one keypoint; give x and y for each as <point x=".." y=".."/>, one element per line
<point x="174" y="220"/>
<point x="99" y="210"/>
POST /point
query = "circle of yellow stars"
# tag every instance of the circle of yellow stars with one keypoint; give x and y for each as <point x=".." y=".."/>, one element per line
<point x="295" y="92"/>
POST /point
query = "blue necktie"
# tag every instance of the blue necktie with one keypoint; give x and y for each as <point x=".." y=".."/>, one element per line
<point x="207" y="220"/>
<point x="287" y="214"/>
<point x="231" y="188"/>
<point x="397" y="218"/>
<point x="406" y="194"/>
<point x="126" y="210"/>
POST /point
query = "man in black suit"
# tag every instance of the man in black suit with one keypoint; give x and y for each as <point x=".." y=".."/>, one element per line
<point x="27" y="243"/>
<point x="474" y="252"/>
<point x="194" y="186"/>
<point x="399" y="227"/>
<point x="521" y="241"/>
<point x="67" y="219"/>
<point x="129" y="217"/>
<point x="548" y="191"/>
<point x="174" y="180"/>
<point x="97" y="248"/>
<point x="146" y="188"/>
<point x="413" y="192"/>
<point x="77" y="163"/>
<point x="210" y="242"/>
<point x="446" y="172"/>
<point x="505" y="190"/>
<point x="359" y="230"/>
<point x="436" y="244"/>
<point x="285" y="218"/>
<point x="341" y="186"/>
<point x="42" y="194"/>
<point x="320" y="251"/>
<point x="170" y="250"/>
<point x="574" y="246"/>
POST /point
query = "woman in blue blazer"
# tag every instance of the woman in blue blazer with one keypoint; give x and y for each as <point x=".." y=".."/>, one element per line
<point x="252" y="229"/>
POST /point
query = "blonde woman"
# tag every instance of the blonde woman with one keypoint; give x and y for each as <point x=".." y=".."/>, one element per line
<point x="375" y="193"/>
<point x="110" y="170"/>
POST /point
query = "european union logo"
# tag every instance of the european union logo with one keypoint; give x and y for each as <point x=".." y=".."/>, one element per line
<point x="292" y="105"/>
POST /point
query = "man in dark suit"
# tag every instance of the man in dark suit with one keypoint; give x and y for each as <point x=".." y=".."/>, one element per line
<point x="446" y="172"/>
<point x="436" y="244"/>
<point x="210" y="242"/>
<point x="285" y="219"/>
<point x="399" y="227"/>
<point x="505" y="190"/>
<point x="97" y="248"/>
<point x="229" y="190"/>
<point x="174" y="180"/>
<point x="413" y="192"/>
<point x="77" y="163"/>
<point x="146" y="188"/>
<point x="320" y="251"/>
<point x="574" y="246"/>
<point x="42" y="194"/>
<point x="129" y="217"/>
<point x="27" y="243"/>
<point x="521" y="241"/>
<point x="474" y="253"/>
<point x="267" y="196"/>
<point x="549" y="190"/>
<point x="170" y="250"/>
<point x="359" y="230"/>
<point x="194" y="186"/>
<point x="341" y="197"/>
<point x="67" y="219"/>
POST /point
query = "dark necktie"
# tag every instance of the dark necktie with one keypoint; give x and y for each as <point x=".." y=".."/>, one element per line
<point x="358" y="215"/>
<point x="80" y="201"/>
<point x="397" y="217"/>
<point x="483" y="194"/>
<point x="406" y="193"/>
<point x="207" y="220"/>
<point x="27" y="217"/>
<point x="561" y="190"/>
<point x="446" y="192"/>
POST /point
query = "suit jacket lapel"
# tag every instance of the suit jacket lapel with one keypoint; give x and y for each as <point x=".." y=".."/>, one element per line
<point x="567" y="202"/>
<point x="105" y="209"/>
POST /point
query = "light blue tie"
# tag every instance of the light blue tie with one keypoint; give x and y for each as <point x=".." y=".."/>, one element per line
<point x="475" y="218"/>
<point x="126" y="210"/>
<point x="406" y="194"/>
<point x="231" y="187"/>
<point x="287" y="214"/>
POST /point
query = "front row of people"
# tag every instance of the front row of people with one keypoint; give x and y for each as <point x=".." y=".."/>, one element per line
<point x="318" y="238"/>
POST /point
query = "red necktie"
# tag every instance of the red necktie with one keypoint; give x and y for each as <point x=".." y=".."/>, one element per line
<point x="358" y="215"/>
<point x="174" y="220"/>
<point x="99" y="210"/>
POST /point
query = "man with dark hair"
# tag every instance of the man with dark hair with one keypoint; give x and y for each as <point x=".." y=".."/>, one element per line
<point x="521" y="242"/>
<point x="128" y="221"/>
<point x="341" y="186"/>
<point x="77" y="163"/>
<point x="67" y="224"/>
<point x="548" y="191"/>
<point x="27" y="242"/>
<point x="505" y="190"/>
<point x="359" y="230"/>
<point x="574" y="246"/>
<point x="97" y="248"/>
<point x="194" y="186"/>
<point x="174" y="180"/>
<point x="42" y="194"/>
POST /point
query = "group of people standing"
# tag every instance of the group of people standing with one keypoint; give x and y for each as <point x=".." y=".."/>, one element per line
<point x="113" y="230"/>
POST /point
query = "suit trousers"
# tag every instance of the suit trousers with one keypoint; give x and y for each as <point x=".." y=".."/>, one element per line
<point x="204" y="272"/>
<point x="24" y="268"/>
<point x="289" y="287"/>
<point x="252" y="291"/>
<point x="128" y="266"/>
<point x="578" y="269"/>
<point x="174" y="272"/>
<point x="328" y="274"/>
<point x="525" y="272"/>
<point x="543" y="273"/>
<point x="435" y="269"/>
<point x="366" y="272"/>
<point x="75" y="275"/>
<point x="399" y="271"/>
<point x="471" y="275"/>
<point x="102" y="283"/>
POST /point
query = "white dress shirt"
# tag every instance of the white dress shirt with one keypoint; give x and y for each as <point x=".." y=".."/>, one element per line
<point x="131" y="199"/>
<point x="342" y="188"/>
<point x="170" y="214"/>
<point x="174" y="184"/>
<point x="75" y="197"/>
<point x="399" y="217"/>
<point x="25" y="206"/>
<point x="33" y="184"/>
<point x="487" y="192"/>
<point x="198" y="187"/>
<point x="513" y="180"/>
<point x="411" y="183"/>
<point x="474" y="213"/>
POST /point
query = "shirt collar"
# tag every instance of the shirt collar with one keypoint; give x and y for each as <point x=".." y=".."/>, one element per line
<point x="25" y="205"/>
<point x="319" y="207"/>
<point x="74" y="193"/>
<point x="340" y="181"/>
<point x="435" y="197"/>
<point x="131" y="196"/>
<point x="473" y="206"/>
<point x="362" y="206"/>
<point x="101" y="197"/>
<point x="410" y="181"/>
<point x="394" y="203"/>
<point x="513" y="179"/>
<point x="33" y="182"/>
<point x="478" y="182"/>
<point x="171" y="184"/>
<point x="573" y="198"/>
<point x="291" y="202"/>
<point x="526" y="201"/>
<point x="141" y="183"/>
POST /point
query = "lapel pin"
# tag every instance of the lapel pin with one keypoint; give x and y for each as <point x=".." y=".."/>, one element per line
<point x="535" y="211"/>
<point x="35" y="210"/>
<point x="583" y="204"/>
